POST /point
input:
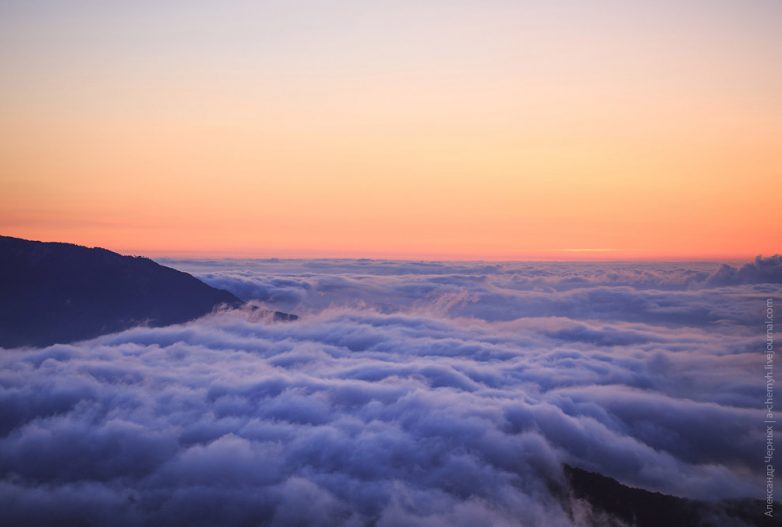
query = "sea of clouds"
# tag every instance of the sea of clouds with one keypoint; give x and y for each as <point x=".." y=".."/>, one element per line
<point x="407" y="394"/>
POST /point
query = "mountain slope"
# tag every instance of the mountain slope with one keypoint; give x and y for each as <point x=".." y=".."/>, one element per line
<point x="616" y="505"/>
<point x="59" y="292"/>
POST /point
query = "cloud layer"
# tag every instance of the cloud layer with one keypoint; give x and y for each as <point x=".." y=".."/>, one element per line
<point x="407" y="394"/>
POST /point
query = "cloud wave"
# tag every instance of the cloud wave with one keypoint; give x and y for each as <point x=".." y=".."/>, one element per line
<point x="407" y="394"/>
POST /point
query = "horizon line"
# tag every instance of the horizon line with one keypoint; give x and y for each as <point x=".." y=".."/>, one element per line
<point x="576" y="255"/>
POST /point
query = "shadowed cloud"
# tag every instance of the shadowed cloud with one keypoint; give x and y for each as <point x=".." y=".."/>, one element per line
<point x="407" y="394"/>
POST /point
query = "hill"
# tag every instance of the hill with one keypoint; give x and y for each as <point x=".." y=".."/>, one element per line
<point x="60" y="292"/>
<point x="615" y="505"/>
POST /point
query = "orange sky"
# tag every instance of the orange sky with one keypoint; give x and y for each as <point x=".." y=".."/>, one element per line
<point x="465" y="130"/>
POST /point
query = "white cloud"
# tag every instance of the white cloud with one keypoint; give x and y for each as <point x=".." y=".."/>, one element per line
<point x="407" y="394"/>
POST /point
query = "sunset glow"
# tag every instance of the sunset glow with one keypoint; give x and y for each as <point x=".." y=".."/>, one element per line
<point x="454" y="130"/>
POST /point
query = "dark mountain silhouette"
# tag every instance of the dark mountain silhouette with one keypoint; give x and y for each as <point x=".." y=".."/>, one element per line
<point x="59" y="292"/>
<point x="616" y="505"/>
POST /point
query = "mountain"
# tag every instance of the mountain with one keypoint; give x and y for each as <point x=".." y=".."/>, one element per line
<point x="615" y="505"/>
<point x="60" y="292"/>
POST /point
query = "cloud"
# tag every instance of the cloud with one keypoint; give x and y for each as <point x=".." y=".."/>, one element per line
<point x="408" y="394"/>
<point x="762" y="270"/>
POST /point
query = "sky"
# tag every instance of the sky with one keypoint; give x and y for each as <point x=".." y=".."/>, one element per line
<point x="457" y="129"/>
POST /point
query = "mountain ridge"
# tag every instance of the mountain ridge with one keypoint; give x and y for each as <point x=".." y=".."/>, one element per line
<point x="56" y="292"/>
<point x="614" y="504"/>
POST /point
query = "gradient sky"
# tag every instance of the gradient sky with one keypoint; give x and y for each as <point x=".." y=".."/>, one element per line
<point x="406" y="129"/>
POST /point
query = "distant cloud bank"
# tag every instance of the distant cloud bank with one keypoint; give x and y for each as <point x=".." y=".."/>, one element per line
<point x="409" y="393"/>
